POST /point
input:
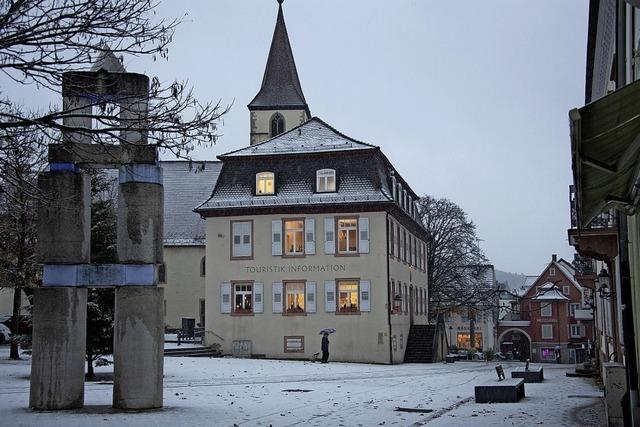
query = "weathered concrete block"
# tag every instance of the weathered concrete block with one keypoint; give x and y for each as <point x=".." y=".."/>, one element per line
<point x="102" y="155"/>
<point x="59" y="338"/>
<point x="531" y="376"/>
<point x="615" y="386"/>
<point x="140" y="173"/>
<point x="140" y="220"/>
<point x="64" y="218"/>
<point x="138" y="347"/>
<point x="508" y="390"/>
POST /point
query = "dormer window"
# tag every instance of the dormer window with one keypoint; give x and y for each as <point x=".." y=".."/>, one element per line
<point x="265" y="183"/>
<point x="277" y="124"/>
<point x="326" y="181"/>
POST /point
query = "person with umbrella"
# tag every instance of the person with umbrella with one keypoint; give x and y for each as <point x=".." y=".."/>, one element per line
<point x="325" y="344"/>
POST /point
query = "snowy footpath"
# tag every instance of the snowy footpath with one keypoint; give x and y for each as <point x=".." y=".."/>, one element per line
<point x="240" y="392"/>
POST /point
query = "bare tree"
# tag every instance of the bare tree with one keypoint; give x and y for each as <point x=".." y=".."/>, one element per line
<point x="19" y="167"/>
<point x="455" y="262"/>
<point x="40" y="40"/>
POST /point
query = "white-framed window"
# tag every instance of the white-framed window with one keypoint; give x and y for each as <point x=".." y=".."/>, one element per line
<point x="294" y="297"/>
<point x="546" y="310"/>
<point x="293" y="237"/>
<point x="265" y="183"/>
<point x="572" y="309"/>
<point x="243" y="298"/>
<point x="348" y="296"/>
<point x="547" y="331"/>
<point x="566" y="290"/>
<point x="577" y="331"/>
<point x="326" y="181"/>
<point x="347" y="235"/>
<point x="552" y="271"/>
<point x="241" y="239"/>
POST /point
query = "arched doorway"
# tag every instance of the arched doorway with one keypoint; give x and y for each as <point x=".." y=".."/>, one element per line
<point x="515" y="344"/>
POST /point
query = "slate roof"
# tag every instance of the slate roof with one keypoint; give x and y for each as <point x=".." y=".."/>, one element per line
<point x="280" y="84"/>
<point x="184" y="188"/>
<point x="313" y="136"/>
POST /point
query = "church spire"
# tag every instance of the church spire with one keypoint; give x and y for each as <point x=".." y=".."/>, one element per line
<point x="280" y="88"/>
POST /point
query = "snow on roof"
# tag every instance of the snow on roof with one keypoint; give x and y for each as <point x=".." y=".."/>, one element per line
<point x="550" y="292"/>
<point x="185" y="187"/>
<point x="313" y="136"/>
<point x="568" y="270"/>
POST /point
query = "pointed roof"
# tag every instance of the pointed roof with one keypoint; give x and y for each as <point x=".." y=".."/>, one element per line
<point x="280" y="85"/>
<point x="108" y="61"/>
<point x="313" y="136"/>
<point x="550" y="292"/>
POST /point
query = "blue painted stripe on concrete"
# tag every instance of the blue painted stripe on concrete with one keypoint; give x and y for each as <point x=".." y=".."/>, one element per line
<point x="62" y="167"/>
<point x="99" y="275"/>
<point x="60" y="275"/>
<point x="140" y="173"/>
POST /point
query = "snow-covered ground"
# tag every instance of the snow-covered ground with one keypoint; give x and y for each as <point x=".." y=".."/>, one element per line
<point x="228" y="392"/>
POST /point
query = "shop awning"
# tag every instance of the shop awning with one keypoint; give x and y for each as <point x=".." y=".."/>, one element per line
<point x="605" y="148"/>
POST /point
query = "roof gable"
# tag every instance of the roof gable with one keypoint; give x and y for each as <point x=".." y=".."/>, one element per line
<point x="280" y="83"/>
<point x="313" y="136"/>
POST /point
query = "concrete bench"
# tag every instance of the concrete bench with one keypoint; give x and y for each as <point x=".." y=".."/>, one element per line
<point x="530" y="376"/>
<point x="509" y="390"/>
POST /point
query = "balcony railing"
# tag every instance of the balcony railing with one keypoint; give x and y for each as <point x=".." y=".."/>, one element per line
<point x="605" y="220"/>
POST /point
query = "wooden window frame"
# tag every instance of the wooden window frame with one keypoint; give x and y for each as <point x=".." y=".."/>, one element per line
<point x="284" y="343"/>
<point x="284" y="298"/>
<point x="337" y="236"/>
<point x="233" y="298"/>
<point x="337" y="298"/>
<point x="283" y="238"/>
<point x="240" y="258"/>
<point x="273" y="175"/>
<point x="335" y="180"/>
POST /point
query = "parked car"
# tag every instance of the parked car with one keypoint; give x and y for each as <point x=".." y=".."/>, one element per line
<point x="5" y="334"/>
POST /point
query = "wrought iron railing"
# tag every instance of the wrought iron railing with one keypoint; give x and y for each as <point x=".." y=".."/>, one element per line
<point x="606" y="220"/>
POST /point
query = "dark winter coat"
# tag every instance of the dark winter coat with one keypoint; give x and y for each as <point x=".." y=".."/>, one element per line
<point x="325" y="344"/>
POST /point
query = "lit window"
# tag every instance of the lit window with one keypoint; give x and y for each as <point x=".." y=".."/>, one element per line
<point x="277" y="124"/>
<point x="243" y="298"/>
<point x="326" y="181"/>
<point x="241" y="244"/>
<point x="546" y="310"/>
<point x="347" y="236"/>
<point x="547" y="331"/>
<point x="294" y="237"/>
<point x="265" y="183"/>
<point x="295" y="297"/>
<point x="348" y="296"/>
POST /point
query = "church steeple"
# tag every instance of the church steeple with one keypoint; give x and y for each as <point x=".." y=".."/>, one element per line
<point x="280" y="104"/>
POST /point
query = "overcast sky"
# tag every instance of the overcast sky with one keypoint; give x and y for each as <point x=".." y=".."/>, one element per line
<point x="469" y="100"/>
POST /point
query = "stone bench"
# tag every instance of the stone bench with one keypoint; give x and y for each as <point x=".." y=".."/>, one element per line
<point x="508" y="390"/>
<point x="530" y="376"/>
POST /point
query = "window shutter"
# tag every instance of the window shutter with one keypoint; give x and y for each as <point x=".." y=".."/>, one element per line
<point x="329" y="235"/>
<point x="277" y="297"/>
<point x="329" y="296"/>
<point x="310" y="238"/>
<point x="363" y="244"/>
<point x="225" y="298"/>
<point x="276" y="237"/>
<point x="365" y="295"/>
<point x="311" y="297"/>
<point x="258" y="302"/>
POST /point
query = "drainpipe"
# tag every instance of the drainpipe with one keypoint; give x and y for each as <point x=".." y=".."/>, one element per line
<point x="389" y="301"/>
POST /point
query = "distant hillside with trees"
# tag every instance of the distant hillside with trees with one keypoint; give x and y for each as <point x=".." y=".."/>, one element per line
<point x="514" y="280"/>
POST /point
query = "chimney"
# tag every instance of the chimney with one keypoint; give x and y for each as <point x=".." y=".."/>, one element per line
<point x="554" y="258"/>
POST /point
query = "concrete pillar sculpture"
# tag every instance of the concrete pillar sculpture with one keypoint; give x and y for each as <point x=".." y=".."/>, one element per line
<point x="64" y="224"/>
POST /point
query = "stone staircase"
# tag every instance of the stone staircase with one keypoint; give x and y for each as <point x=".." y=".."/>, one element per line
<point x="421" y="347"/>
<point x="192" y="352"/>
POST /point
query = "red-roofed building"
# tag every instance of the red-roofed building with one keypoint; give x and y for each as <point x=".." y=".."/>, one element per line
<point x="551" y="319"/>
